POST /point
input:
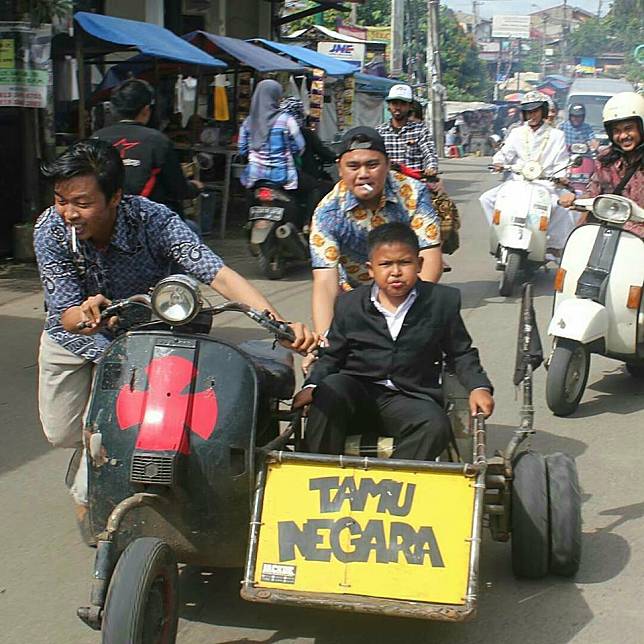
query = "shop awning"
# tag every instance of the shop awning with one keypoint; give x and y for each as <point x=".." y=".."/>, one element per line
<point x="118" y="34"/>
<point x="310" y="58"/>
<point x="374" y="84"/>
<point x="239" y="53"/>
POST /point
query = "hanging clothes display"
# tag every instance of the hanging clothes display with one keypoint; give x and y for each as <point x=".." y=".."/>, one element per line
<point x="220" y="99"/>
<point x="347" y="97"/>
<point x="185" y="92"/>
<point x="304" y="96"/>
<point x="243" y="96"/>
<point x="338" y="94"/>
<point x="317" y="98"/>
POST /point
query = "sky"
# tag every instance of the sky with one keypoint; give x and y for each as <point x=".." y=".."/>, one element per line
<point x="487" y="8"/>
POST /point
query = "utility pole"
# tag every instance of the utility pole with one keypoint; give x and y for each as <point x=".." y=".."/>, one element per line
<point x="353" y="16"/>
<point x="475" y="13"/>
<point x="435" y="87"/>
<point x="397" y="32"/>
<point x="564" y="37"/>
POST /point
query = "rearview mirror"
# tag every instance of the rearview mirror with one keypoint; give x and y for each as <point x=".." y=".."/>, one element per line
<point x="577" y="161"/>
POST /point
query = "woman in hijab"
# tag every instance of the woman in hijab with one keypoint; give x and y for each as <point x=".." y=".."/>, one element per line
<point x="269" y="138"/>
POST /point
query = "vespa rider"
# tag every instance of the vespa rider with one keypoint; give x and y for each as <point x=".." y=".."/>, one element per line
<point x="619" y="169"/>
<point x="95" y="245"/>
<point x="366" y="196"/>
<point x="536" y="141"/>
<point x="576" y="130"/>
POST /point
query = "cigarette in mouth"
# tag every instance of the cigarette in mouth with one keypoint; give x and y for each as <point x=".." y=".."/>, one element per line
<point x="367" y="187"/>
<point x="74" y="243"/>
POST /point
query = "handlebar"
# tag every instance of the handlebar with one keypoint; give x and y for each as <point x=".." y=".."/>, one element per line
<point x="115" y="308"/>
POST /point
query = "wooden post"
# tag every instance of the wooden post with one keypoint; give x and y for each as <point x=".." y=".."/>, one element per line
<point x="81" y="85"/>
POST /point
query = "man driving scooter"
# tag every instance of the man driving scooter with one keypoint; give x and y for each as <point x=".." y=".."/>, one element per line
<point x="536" y="141"/>
<point x="619" y="169"/>
<point x="95" y="245"/>
<point x="576" y="130"/>
<point x="366" y="196"/>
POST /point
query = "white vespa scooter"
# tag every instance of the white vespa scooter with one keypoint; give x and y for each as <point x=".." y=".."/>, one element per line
<point x="598" y="304"/>
<point x="520" y="222"/>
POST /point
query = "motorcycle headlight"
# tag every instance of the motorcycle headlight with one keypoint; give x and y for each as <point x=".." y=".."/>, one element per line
<point x="531" y="170"/>
<point x="579" y="148"/>
<point x="613" y="209"/>
<point x="176" y="299"/>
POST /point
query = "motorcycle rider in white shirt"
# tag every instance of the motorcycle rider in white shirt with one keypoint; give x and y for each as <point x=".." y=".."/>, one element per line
<point x="536" y="140"/>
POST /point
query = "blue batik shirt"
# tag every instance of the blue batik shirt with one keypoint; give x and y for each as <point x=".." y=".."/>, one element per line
<point x="274" y="161"/>
<point x="148" y="240"/>
<point x="582" y="134"/>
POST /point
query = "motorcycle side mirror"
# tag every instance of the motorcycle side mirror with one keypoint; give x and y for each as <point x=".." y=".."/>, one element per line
<point x="577" y="161"/>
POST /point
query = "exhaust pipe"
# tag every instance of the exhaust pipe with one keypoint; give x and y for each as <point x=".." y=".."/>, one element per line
<point x="292" y="241"/>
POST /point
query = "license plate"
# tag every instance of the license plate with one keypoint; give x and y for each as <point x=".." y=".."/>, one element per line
<point x="266" y="212"/>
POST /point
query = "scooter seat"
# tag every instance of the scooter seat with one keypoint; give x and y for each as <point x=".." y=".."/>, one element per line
<point x="275" y="366"/>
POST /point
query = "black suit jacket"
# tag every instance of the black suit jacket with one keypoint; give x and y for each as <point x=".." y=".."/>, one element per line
<point x="433" y="331"/>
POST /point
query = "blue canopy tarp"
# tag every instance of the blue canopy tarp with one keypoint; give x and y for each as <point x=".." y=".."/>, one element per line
<point x="310" y="58"/>
<point x="236" y="52"/>
<point x="374" y="84"/>
<point x="150" y="40"/>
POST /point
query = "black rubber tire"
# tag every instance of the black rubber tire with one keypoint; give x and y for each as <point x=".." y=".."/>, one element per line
<point x="271" y="263"/>
<point x="635" y="370"/>
<point x="142" y="606"/>
<point x="565" y="514"/>
<point x="510" y="276"/>
<point x="562" y="398"/>
<point x="530" y="517"/>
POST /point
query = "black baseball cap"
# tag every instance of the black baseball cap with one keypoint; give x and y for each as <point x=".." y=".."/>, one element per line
<point x="361" y="138"/>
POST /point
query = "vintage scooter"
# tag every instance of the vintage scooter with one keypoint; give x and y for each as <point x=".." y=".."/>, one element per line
<point x="187" y="464"/>
<point x="598" y="304"/>
<point x="275" y="237"/>
<point x="579" y="176"/>
<point x="520" y="222"/>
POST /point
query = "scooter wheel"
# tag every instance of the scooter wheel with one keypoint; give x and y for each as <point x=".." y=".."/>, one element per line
<point x="510" y="276"/>
<point x="142" y="604"/>
<point x="271" y="263"/>
<point x="567" y="377"/>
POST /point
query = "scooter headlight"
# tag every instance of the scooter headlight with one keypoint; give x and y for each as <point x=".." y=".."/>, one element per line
<point x="612" y="208"/>
<point x="176" y="299"/>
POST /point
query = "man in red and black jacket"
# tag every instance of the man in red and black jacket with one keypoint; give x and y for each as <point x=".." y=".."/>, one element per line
<point x="152" y="168"/>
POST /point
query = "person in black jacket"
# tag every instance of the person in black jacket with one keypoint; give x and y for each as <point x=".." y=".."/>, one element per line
<point x="152" y="168"/>
<point x="387" y="342"/>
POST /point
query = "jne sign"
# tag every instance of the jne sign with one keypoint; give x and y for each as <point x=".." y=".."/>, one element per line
<point x="398" y="534"/>
<point x="349" y="52"/>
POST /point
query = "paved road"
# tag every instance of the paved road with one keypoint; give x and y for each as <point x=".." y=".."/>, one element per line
<point x="45" y="571"/>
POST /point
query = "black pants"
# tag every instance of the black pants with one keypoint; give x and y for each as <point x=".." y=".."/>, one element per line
<point x="344" y="405"/>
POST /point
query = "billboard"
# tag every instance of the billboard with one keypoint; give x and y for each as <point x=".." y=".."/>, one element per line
<point x="347" y="51"/>
<point x="511" y="27"/>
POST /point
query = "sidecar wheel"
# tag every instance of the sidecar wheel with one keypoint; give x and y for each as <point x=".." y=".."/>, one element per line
<point x="567" y="377"/>
<point x="565" y="515"/>
<point x="142" y="605"/>
<point x="510" y="276"/>
<point x="530" y="517"/>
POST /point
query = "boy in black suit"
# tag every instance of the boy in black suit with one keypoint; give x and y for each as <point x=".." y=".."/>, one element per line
<point x="380" y="374"/>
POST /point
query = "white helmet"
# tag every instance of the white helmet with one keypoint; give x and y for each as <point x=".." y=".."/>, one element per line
<point x="622" y="106"/>
<point x="533" y="100"/>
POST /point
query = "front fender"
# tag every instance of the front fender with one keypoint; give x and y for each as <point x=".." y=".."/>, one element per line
<point x="581" y="320"/>
<point x="516" y="237"/>
<point x="260" y="231"/>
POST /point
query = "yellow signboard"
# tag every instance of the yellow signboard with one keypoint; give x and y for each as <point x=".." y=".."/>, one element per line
<point x="7" y="53"/>
<point x="377" y="532"/>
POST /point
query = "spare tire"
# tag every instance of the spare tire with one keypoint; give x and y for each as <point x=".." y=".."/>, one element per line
<point x="565" y="514"/>
<point x="530" y="516"/>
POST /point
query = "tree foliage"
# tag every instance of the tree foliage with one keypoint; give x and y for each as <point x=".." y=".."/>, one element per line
<point x="620" y="30"/>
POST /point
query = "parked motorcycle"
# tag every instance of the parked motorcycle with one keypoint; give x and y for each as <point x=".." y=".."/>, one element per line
<point x="579" y="176"/>
<point x="520" y="220"/>
<point x="598" y="304"/>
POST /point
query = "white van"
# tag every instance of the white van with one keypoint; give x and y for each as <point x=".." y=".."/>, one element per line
<point x="593" y="93"/>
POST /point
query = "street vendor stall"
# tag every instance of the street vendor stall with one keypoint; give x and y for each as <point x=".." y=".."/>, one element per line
<point x="97" y="35"/>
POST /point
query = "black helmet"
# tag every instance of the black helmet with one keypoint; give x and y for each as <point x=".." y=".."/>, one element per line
<point x="577" y="109"/>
